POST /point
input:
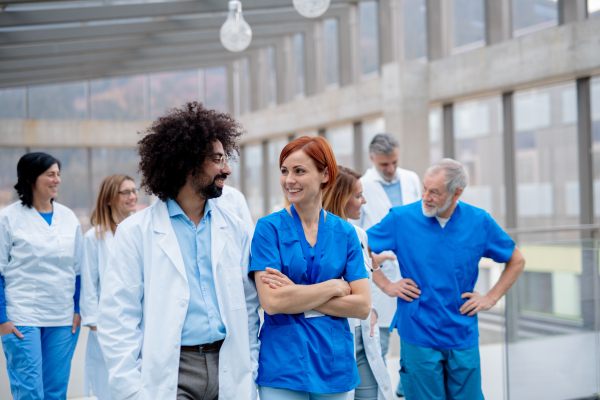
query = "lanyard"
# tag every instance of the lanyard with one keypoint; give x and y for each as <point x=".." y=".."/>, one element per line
<point x="312" y="267"/>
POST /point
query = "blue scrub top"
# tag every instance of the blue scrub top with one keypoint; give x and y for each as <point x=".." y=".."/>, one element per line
<point x="444" y="263"/>
<point x="316" y="354"/>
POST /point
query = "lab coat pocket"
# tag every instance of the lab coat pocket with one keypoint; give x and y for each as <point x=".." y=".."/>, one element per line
<point x="21" y="299"/>
<point x="235" y="289"/>
<point x="343" y="358"/>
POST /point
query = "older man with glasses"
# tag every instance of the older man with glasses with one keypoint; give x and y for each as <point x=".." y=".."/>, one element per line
<point x="439" y="242"/>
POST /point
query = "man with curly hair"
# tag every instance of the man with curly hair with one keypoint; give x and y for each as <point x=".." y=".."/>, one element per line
<point x="178" y="314"/>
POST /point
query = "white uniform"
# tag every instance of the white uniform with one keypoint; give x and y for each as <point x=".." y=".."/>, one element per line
<point x="371" y="344"/>
<point x="96" y="251"/>
<point x="234" y="201"/>
<point x="39" y="263"/>
<point x="144" y="301"/>
<point x="378" y="205"/>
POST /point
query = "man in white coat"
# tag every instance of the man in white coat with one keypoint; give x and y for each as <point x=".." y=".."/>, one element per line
<point x="178" y="314"/>
<point x="385" y="185"/>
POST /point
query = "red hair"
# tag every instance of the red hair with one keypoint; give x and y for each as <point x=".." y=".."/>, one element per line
<point x="319" y="150"/>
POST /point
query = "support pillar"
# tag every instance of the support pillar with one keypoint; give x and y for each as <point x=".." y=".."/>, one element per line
<point x="314" y="65"/>
<point x="389" y="31"/>
<point x="349" y="48"/>
<point x="284" y="70"/>
<point x="358" y="147"/>
<point x="498" y="21"/>
<point x="232" y="89"/>
<point x="448" y="130"/>
<point x="266" y="188"/>
<point x="572" y="11"/>
<point x="439" y="29"/>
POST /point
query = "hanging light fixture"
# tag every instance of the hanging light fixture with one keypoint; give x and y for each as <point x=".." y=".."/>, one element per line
<point x="236" y="34"/>
<point x="311" y="8"/>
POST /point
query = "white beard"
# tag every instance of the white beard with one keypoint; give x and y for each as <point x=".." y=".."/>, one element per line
<point x="436" y="210"/>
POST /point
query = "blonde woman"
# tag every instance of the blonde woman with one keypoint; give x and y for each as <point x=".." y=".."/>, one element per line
<point x="117" y="199"/>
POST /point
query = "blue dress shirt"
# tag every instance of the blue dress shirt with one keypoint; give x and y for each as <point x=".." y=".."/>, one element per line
<point x="394" y="193"/>
<point x="203" y="323"/>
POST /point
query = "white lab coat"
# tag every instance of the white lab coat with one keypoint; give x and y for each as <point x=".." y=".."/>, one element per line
<point x="39" y="263"/>
<point x="378" y="205"/>
<point x="144" y="300"/>
<point x="96" y="251"/>
<point x="371" y="345"/>
<point x="234" y="201"/>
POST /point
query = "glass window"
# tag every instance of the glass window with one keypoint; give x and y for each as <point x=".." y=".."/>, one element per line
<point x="436" y="139"/>
<point x="546" y="156"/>
<point x="593" y="8"/>
<point x="253" y="164"/>
<point x="369" y="37"/>
<point x="477" y="140"/>
<point x="117" y="161"/>
<point x="118" y="98"/>
<point x="12" y="103"/>
<point x="341" y="139"/>
<point x="272" y="75"/>
<point x="414" y="23"/>
<point x="332" y="52"/>
<point x="215" y="88"/>
<point x="370" y="128"/>
<point x="299" y="63"/>
<point x="64" y="101"/>
<point x="533" y="15"/>
<point x="172" y="89"/>
<point x="276" y="196"/>
<point x="468" y="24"/>
<point x="595" y="99"/>
<point x="9" y="157"/>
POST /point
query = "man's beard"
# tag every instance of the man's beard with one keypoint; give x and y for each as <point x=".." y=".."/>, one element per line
<point x="436" y="211"/>
<point x="385" y="178"/>
<point x="210" y="191"/>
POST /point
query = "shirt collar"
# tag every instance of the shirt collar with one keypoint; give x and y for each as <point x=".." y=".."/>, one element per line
<point x="175" y="210"/>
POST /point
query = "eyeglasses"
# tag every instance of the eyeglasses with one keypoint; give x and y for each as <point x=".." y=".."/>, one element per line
<point x="126" y="193"/>
<point x="222" y="160"/>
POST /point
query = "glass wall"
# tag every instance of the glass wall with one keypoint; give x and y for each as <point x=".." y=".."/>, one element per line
<point x="468" y="24"/>
<point x="299" y="64"/>
<point x="332" y="53"/>
<point x="478" y="146"/>
<point x="215" y="88"/>
<point x="9" y="157"/>
<point x="172" y="89"/>
<point x="64" y="101"/>
<point x="275" y="192"/>
<point x="369" y="37"/>
<point x="341" y="139"/>
<point x="414" y="23"/>
<point x="254" y="192"/>
<point x="118" y="98"/>
<point x="546" y="156"/>
<point x="436" y="139"/>
<point x="370" y="128"/>
<point x="272" y="75"/>
<point x="12" y="103"/>
<point x="533" y="15"/>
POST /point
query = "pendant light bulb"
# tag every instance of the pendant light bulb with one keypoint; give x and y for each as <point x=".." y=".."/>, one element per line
<point x="311" y="8"/>
<point x="236" y="34"/>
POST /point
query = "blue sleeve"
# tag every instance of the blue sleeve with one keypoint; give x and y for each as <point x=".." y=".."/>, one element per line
<point x="355" y="262"/>
<point x="499" y="246"/>
<point x="3" y="318"/>
<point x="382" y="237"/>
<point x="77" y="293"/>
<point x="264" y="248"/>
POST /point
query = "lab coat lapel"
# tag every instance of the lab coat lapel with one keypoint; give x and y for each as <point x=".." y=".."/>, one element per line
<point x="167" y="240"/>
<point x="219" y="232"/>
<point x="410" y="193"/>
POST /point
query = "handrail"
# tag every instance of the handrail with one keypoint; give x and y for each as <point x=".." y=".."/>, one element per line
<point x="547" y="229"/>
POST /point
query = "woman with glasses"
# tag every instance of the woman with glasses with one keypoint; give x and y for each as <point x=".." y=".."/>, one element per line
<point x="117" y="199"/>
<point x="40" y="254"/>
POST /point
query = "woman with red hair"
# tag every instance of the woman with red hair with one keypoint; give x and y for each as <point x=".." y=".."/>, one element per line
<point x="312" y="278"/>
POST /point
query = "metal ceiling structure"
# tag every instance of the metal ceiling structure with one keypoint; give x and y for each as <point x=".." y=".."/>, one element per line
<point x="48" y="42"/>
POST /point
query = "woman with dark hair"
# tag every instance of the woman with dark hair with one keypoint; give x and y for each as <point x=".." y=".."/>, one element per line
<point x="40" y="253"/>
<point x="306" y="343"/>
<point x="117" y="199"/>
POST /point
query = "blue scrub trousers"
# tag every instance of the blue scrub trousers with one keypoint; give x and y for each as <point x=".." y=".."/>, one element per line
<point x="39" y="365"/>
<point x="440" y="374"/>
<point x="269" y="393"/>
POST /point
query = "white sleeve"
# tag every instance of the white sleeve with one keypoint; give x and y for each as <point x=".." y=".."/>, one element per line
<point x="5" y="244"/>
<point x="121" y="312"/>
<point x="78" y="251"/>
<point x="90" y="282"/>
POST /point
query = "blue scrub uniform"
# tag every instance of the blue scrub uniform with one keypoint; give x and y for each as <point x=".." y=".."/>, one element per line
<point x="444" y="263"/>
<point x="312" y="355"/>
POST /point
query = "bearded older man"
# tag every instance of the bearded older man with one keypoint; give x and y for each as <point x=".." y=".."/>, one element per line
<point x="439" y="242"/>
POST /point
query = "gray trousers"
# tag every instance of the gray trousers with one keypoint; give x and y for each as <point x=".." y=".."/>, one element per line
<point x="367" y="389"/>
<point x="198" y="376"/>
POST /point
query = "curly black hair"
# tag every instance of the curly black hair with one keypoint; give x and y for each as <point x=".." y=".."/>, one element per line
<point x="177" y="144"/>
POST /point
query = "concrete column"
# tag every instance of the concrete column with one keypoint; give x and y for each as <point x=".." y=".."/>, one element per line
<point x="232" y="86"/>
<point x="439" y="29"/>
<point x="571" y="11"/>
<point x="406" y="112"/>
<point x="448" y="130"/>
<point x="358" y="147"/>
<point x="349" y="46"/>
<point x="389" y="30"/>
<point x="314" y="66"/>
<point x="244" y="80"/>
<point x="258" y="80"/>
<point x="498" y="21"/>
<point x="265" y="178"/>
<point x="284" y="70"/>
